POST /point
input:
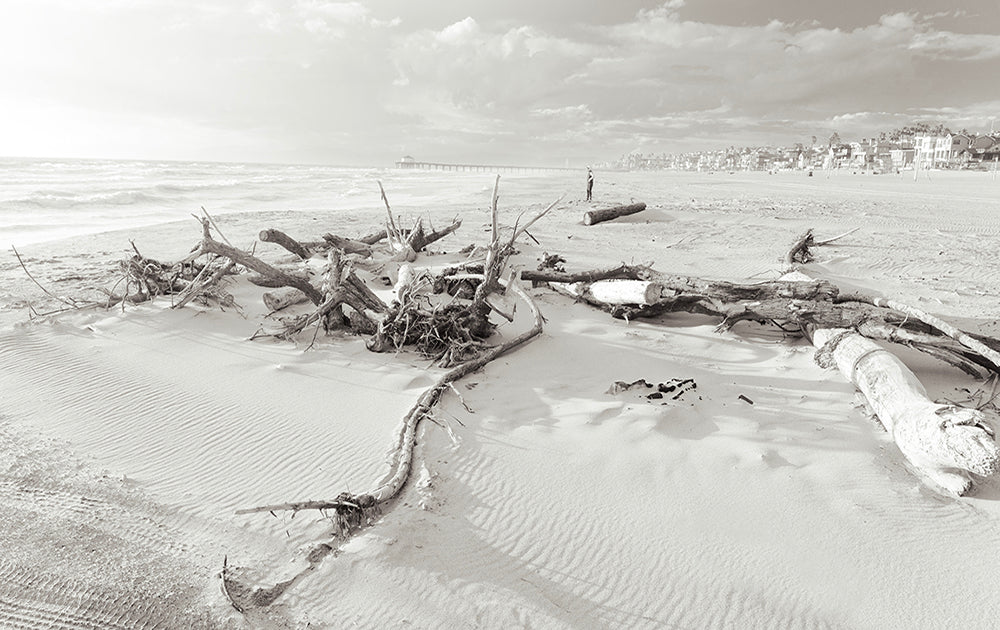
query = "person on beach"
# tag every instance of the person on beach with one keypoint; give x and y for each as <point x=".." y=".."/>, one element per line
<point x="590" y="183"/>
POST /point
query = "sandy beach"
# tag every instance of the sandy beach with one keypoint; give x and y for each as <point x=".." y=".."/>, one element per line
<point x="130" y="437"/>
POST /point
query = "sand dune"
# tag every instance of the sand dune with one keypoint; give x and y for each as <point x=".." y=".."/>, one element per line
<point x="131" y="438"/>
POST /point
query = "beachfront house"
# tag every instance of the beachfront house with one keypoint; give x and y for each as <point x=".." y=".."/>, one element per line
<point x="901" y="156"/>
<point x="839" y="156"/>
<point x="959" y="143"/>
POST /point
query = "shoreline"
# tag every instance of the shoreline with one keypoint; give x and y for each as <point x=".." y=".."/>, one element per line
<point x="554" y="504"/>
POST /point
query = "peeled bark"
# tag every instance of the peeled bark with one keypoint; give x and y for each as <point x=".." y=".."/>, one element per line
<point x="619" y="292"/>
<point x="946" y="444"/>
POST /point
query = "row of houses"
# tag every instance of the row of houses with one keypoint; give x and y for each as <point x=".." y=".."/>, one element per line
<point x="876" y="154"/>
<point x="956" y="150"/>
<point x="923" y="151"/>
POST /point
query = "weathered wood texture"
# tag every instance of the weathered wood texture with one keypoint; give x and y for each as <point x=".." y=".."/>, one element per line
<point x="349" y="246"/>
<point x="279" y="300"/>
<point x="280" y="238"/>
<point x="947" y="444"/>
<point x="593" y="217"/>
<point x="210" y="246"/>
<point x="619" y="292"/>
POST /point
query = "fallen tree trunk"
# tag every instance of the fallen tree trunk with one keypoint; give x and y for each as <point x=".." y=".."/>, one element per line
<point x="594" y="217"/>
<point x="946" y="444"/>
<point x="619" y="292"/>
<point x="621" y="272"/>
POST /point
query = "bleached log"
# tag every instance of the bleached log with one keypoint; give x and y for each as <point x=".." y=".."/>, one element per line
<point x="405" y="279"/>
<point x="594" y="217"/>
<point x="617" y="292"/>
<point x="947" y="444"/>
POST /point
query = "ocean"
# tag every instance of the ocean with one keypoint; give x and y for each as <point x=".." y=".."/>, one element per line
<point x="73" y="219"/>
<point x="49" y="199"/>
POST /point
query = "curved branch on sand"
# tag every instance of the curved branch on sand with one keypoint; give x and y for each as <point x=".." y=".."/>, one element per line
<point x="351" y="512"/>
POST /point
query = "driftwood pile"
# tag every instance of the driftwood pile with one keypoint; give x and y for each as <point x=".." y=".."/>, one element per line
<point x="448" y="318"/>
<point x="949" y="446"/>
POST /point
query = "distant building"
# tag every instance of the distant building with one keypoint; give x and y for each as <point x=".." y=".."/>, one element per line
<point x="901" y="156"/>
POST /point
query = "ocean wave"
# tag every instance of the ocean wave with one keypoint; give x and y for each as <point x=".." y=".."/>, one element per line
<point x="61" y="199"/>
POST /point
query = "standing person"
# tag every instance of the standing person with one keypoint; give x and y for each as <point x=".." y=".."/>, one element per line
<point x="590" y="183"/>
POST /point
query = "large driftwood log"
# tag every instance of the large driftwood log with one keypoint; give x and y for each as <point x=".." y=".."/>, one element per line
<point x="594" y="217"/>
<point x="948" y="445"/>
<point x="945" y="443"/>
<point x="619" y="292"/>
<point x="621" y="272"/>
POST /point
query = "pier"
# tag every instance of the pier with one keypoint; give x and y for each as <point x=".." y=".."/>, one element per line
<point x="410" y="163"/>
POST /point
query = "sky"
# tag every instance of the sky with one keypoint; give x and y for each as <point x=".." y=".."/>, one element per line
<point x="530" y="82"/>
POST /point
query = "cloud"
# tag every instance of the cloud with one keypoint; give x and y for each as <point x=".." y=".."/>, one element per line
<point x="349" y="77"/>
<point x="658" y="76"/>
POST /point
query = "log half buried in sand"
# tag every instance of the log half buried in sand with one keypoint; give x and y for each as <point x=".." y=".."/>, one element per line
<point x="946" y="444"/>
<point x="617" y="292"/>
<point x="606" y="214"/>
<point x="282" y="299"/>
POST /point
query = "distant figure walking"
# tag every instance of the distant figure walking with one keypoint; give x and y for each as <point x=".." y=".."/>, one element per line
<point x="590" y="183"/>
